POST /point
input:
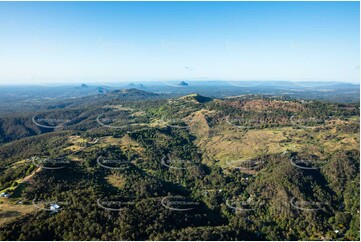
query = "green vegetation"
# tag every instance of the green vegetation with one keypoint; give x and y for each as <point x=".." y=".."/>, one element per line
<point x="250" y="168"/>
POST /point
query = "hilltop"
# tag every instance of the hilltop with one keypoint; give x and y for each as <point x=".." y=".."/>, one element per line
<point x="195" y="97"/>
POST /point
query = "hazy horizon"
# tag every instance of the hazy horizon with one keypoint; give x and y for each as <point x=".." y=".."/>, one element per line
<point x="164" y="82"/>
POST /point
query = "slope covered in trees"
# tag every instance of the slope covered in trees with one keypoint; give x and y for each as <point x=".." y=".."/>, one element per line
<point x="190" y="168"/>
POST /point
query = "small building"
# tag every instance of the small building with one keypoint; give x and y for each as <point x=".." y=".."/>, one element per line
<point x="5" y="194"/>
<point x="54" y="207"/>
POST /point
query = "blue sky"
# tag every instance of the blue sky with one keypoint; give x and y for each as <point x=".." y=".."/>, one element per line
<point x="143" y="41"/>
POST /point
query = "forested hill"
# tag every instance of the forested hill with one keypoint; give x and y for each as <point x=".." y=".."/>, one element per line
<point x="134" y="165"/>
<point x="20" y="101"/>
<point x="16" y="124"/>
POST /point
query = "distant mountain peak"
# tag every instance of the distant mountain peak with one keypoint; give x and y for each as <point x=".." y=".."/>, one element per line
<point x="133" y="85"/>
<point x="83" y="85"/>
<point x="183" y="84"/>
<point x="102" y="90"/>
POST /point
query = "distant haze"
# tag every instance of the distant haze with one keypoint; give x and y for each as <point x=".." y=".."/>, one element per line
<point x="122" y="42"/>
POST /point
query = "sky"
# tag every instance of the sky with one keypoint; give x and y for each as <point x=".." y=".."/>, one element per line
<point x="63" y="42"/>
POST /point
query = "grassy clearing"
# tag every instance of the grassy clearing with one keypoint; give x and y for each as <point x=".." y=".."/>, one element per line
<point x="9" y="211"/>
<point x="76" y="139"/>
<point x="19" y="163"/>
<point x="117" y="181"/>
<point x="241" y="144"/>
